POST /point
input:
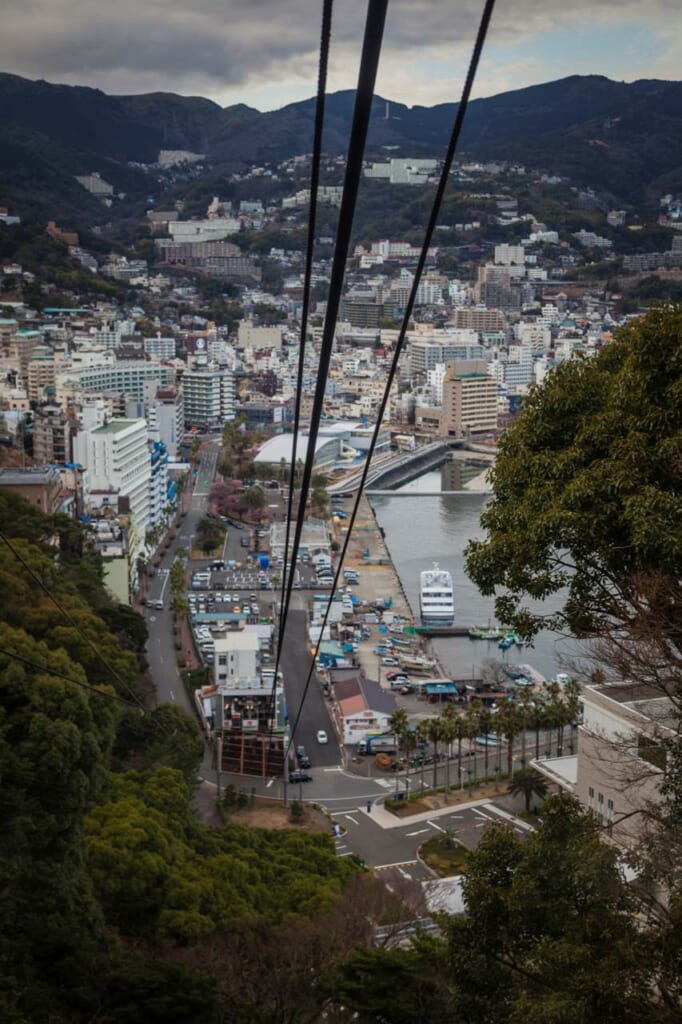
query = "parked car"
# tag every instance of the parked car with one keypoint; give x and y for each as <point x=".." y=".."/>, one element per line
<point x="322" y="736"/>
<point x="390" y="661"/>
<point x="244" y="541"/>
<point x="158" y="604"/>
<point x="300" y="776"/>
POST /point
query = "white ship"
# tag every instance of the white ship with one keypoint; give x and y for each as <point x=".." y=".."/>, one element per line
<point x="436" y="601"/>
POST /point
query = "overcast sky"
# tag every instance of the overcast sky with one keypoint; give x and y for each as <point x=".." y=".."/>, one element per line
<point x="264" y="52"/>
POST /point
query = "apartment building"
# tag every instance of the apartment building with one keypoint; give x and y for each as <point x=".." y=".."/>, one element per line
<point x="469" y="399"/>
<point x="208" y="397"/>
<point x="127" y="377"/>
<point x="51" y="434"/>
<point x="160" y="348"/>
<point x="426" y="354"/>
<point x="621" y="757"/>
<point x="117" y="459"/>
<point x="479" y="319"/>
<point x="40" y="373"/>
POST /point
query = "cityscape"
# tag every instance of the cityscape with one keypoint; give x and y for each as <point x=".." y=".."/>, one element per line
<point x="340" y="644"/>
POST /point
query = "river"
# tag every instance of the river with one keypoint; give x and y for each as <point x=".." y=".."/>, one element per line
<point x="425" y="528"/>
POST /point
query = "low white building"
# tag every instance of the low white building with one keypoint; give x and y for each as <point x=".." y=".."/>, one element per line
<point x="361" y="707"/>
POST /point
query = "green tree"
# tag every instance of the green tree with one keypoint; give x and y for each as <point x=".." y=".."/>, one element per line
<point x="586" y="489"/>
<point x="449" y="733"/>
<point x="527" y="782"/>
<point x="434" y="732"/>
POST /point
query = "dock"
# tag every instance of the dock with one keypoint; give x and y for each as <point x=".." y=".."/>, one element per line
<point x="442" y="630"/>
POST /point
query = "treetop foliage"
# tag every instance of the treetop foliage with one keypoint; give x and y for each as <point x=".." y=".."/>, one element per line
<point x="586" y="485"/>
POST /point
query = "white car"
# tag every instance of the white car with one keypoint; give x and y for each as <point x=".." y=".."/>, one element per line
<point x="322" y="736"/>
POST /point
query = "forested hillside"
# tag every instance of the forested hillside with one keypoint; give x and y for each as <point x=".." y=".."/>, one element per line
<point x="107" y="876"/>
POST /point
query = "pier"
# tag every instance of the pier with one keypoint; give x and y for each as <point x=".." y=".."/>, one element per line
<point x="442" y="630"/>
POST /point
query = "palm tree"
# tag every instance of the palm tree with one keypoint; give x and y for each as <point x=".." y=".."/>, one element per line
<point x="472" y="724"/>
<point x="524" y="709"/>
<point x="537" y="719"/>
<point x="422" y="734"/>
<point x="435" y="735"/>
<point x="528" y="782"/>
<point x="485" y="724"/>
<point x="572" y="699"/>
<point x="555" y="713"/>
<point x="399" y="724"/>
<point x="460" y="725"/>
<point x="449" y="732"/>
<point x="509" y="726"/>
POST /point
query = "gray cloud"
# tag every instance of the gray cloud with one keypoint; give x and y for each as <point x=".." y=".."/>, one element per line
<point x="216" y="47"/>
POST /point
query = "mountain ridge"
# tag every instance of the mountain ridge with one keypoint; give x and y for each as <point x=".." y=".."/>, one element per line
<point x="590" y="129"/>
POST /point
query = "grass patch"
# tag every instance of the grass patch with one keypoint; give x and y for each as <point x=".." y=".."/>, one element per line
<point x="444" y="855"/>
<point x="430" y="800"/>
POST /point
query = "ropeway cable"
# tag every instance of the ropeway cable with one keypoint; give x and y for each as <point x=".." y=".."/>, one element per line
<point x="371" y="51"/>
<point x="440" y="191"/>
<point x="312" y="220"/>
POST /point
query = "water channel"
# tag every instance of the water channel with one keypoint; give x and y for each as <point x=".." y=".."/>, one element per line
<point x="422" y="527"/>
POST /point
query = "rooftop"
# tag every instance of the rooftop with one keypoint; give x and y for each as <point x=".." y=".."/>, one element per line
<point x="36" y="475"/>
<point x="116" y="426"/>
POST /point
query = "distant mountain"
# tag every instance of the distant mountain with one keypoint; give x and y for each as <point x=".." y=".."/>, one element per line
<point x="626" y="138"/>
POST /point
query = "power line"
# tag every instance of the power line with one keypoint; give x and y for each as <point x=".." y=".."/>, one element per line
<point x="312" y="220"/>
<point x="34" y="575"/>
<point x="433" y="218"/>
<point x="371" y="51"/>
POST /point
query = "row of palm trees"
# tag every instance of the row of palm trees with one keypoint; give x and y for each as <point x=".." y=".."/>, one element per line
<point x="523" y="718"/>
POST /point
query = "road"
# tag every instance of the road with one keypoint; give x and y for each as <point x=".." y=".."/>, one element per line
<point x="397" y="846"/>
<point x="295" y="664"/>
<point x="160" y="650"/>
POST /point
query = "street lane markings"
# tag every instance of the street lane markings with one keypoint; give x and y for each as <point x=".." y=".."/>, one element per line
<point x="338" y="768"/>
<point x="433" y="825"/>
<point x="349" y="854"/>
<point x="419" y="832"/>
<point x="383" y="782"/>
<point x="269" y="783"/>
<point x="481" y="814"/>
<point x="516" y="822"/>
<point x="172" y="695"/>
<point x="405" y="874"/>
<point x="397" y="864"/>
<point x="351" y="818"/>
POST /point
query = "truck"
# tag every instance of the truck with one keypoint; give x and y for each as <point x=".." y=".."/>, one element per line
<point x="381" y="744"/>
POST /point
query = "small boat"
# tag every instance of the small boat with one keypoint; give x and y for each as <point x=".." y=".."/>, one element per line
<point x="417" y="664"/>
<point x="505" y="643"/>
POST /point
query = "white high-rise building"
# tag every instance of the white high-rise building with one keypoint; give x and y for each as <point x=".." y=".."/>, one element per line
<point x="208" y="396"/>
<point x="116" y="457"/>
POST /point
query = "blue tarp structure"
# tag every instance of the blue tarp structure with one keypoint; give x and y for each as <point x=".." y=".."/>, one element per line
<point x="441" y="688"/>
